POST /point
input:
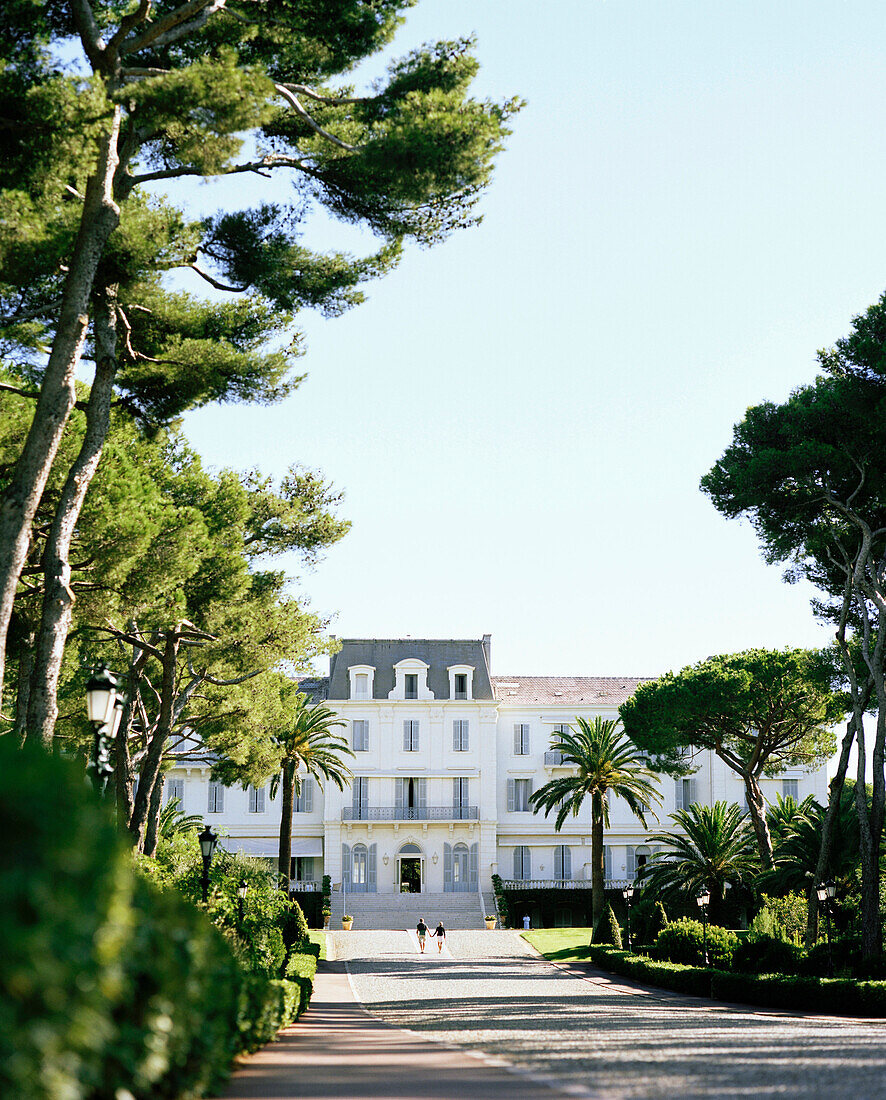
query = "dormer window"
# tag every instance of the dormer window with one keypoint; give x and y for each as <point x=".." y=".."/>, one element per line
<point x="361" y="678"/>
<point x="411" y="680"/>
<point x="461" y="681"/>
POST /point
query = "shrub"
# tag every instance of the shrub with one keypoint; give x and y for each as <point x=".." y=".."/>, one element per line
<point x="845" y="951"/>
<point x="300" y="970"/>
<point x="683" y="942"/>
<point x="658" y="923"/>
<point x="607" y="929"/>
<point x="784" y="917"/>
<point x="294" y="926"/>
<point x="692" y="980"/>
<point x="763" y="954"/>
<point x="306" y="947"/>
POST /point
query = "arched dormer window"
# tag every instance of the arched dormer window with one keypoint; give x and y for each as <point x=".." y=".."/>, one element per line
<point x="361" y="679"/>
<point x="461" y="681"/>
<point x="411" y="680"/>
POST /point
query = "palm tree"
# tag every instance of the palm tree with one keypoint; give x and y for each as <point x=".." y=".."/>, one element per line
<point x="174" y="821"/>
<point x="607" y="763"/>
<point x="307" y="747"/>
<point x="715" y="846"/>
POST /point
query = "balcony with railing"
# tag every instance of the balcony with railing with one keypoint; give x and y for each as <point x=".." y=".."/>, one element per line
<point x="561" y="883"/>
<point x="303" y="886"/>
<point x="556" y="759"/>
<point x="410" y="813"/>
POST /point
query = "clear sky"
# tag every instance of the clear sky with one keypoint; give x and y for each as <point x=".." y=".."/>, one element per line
<point x="691" y="204"/>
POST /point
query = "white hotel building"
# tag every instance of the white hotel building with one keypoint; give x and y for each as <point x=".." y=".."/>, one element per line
<point x="446" y="756"/>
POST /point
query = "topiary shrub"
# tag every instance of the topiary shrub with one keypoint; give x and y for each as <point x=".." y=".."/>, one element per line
<point x="607" y="930"/>
<point x="294" y="927"/>
<point x="683" y="942"/>
<point x="658" y="923"/>
<point x="763" y="954"/>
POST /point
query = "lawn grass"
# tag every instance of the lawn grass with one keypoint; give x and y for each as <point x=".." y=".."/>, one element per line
<point x="316" y="936"/>
<point x="560" y="944"/>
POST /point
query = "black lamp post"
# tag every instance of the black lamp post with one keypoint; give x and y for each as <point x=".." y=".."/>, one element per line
<point x="628" y="894"/>
<point x="101" y="702"/>
<point x="208" y="841"/>
<point x="242" y="891"/>
<point x="704" y="900"/>
<point x="825" y="892"/>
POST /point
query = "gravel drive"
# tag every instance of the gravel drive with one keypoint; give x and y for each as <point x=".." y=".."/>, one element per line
<point x="490" y="993"/>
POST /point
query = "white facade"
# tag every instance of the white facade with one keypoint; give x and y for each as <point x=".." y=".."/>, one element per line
<point x="445" y="757"/>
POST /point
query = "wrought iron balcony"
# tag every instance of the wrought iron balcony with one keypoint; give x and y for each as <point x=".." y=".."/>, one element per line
<point x="410" y="813"/>
<point x="303" y="886"/>
<point x="561" y="884"/>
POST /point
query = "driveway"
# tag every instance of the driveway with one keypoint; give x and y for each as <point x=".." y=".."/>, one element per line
<point x="588" y="1035"/>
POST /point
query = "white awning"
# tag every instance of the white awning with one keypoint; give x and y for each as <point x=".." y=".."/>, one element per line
<point x="268" y="847"/>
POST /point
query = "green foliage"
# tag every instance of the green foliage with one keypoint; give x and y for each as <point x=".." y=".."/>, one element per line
<point x="658" y="923"/>
<point x="110" y="984"/>
<point x="501" y="901"/>
<point x="295" y="927"/>
<point x="783" y="916"/>
<point x="764" y="953"/>
<point x="796" y="834"/>
<point x="710" y="847"/>
<point x="694" y="981"/>
<point x="175" y="822"/>
<point x="683" y="942"/>
<point x="760" y="709"/>
<point x="607" y="929"/>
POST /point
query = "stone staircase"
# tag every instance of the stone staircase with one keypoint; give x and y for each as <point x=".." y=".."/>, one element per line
<point x="393" y="911"/>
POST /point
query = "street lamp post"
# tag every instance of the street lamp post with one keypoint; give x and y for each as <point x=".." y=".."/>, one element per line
<point x="101" y="709"/>
<point x="628" y="894"/>
<point x="208" y="841"/>
<point x="242" y="890"/>
<point x="704" y="900"/>
<point x="825" y="892"/>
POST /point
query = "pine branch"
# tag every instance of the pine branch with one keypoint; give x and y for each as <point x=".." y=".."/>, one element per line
<point x="283" y="89"/>
<point x="273" y="160"/>
<point x="177" y="24"/>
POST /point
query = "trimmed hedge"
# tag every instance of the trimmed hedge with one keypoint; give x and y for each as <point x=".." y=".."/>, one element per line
<point x="825" y="996"/>
<point x="300" y="971"/>
<point x="682" y="941"/>
<point x="307" y="947"/>
<point x="110" y="986"/>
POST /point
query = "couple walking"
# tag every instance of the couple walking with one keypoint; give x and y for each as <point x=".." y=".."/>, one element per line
<point x="422" y="930"/>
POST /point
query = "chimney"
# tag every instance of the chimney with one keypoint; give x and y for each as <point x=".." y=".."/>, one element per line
<point x="487" y="649"/>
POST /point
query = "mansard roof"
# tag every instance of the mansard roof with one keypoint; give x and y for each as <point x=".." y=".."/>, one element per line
<point x="315" y="687"/>
<point x="383" y="653"/>
<point x="600" y="691"/>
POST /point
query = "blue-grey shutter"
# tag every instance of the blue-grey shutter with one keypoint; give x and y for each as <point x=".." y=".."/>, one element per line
<point x="370" y="869"/>
<point x="512" y="795"/>
<point x="447" y="868"/>
<point x="558" y="861"/>
<point x="422" y="793"/>
<point x="518" y="862"/>
<point x="631" y="863"/>
<point x="678" y="794"/>
<point x="307" y="790"/>
<point x="527" y="862"/>
<point x="456" y="793"/>
<point x="607" y="861"/>
<point x="346" y="864"/>
<point x="399" y="797"/>
<point x="518" y="739"/>
<point x="567" y="862"/>
<point x="456" y="736"/>
<point x="693" y="792"/>
<point x="407" y="735"/>
<point x="475" y="864"/>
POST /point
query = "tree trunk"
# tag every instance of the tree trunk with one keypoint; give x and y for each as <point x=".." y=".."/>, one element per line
<point x="827" y="826"/>
<point x="597" y="887"/>
<point x="284" y="854"/>
<point x="152" y="825"/>
<point x="23" y="684"/>
<point x="18" y="507"/>
<point x="150" y="768"/>
<point x="757" y="810"/>
<point x="58" y="598"/>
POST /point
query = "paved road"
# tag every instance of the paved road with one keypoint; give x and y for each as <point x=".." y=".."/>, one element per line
<point x="595" y="1037"/>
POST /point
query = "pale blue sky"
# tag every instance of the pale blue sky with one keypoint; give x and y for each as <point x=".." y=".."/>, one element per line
<point x="690" y="205"/>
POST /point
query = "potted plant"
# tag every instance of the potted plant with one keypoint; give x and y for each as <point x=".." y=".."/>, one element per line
<point x="326" y="914"/>
<point x="490" y="921"/>
<point x="346" y="922"/>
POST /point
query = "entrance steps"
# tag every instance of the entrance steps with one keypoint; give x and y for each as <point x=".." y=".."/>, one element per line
<point x="394" y="911"/>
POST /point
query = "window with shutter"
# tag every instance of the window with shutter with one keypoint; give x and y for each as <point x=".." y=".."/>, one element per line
<point x="522" y="791"/>
<point x="562" y="862"/>
<point x="360" y="797"/>
<point x="304" y="800"/>
<point x="522" y="863"/>
<point x="447" y="868"/>
<point x="360" y="735"/>
<point x="790" y="788"/>
<point x="371" y="881"/>
<point x="521" y="739"/>
<point x="410" y="735"/>
<point x="460" y="739"/>
<point x="607" y="862"/>
<point x="346" y="864"/>
<point x="631" y="862"/>
<point x="461" y="797"/>
<point x="475" y="865"/>
<point x="216" y="803"/>
<point x="256" y="800"/>
<point x="175" y="788"/>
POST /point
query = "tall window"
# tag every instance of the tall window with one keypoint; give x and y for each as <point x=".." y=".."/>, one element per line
<point x="360" y="797"/>
<point x="461" y="797"/>
<point x="790" y="788"/>
<point x="256" y="800"/>
<point x="521" y="739"/>
<point x="410" y="735"/>
<point x="562" y="862"/>
<point x="360" y="735"/>
<point x="361" y="685"/>
<point x="216" y="804"/>
<point x="175" y="788"/>
<point x="561" y="727"/>
<point x="685" y="793"/>
<point x="460" y="735"/>
<point x="301" y="868"/>
<point x="522" y="862"/>
<point x="303" y="802"/>
<point x="410" y="681"/>
<point x="461" y="685"/>
<point x="519" y="791"/>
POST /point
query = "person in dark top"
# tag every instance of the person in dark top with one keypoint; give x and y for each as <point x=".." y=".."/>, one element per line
<point x="422" y="931"/>
<point x="440" y="933"/>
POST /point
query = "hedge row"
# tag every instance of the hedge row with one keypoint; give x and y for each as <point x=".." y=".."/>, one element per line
<point x="110" y="986"/>
<point x="831" y="996"/>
